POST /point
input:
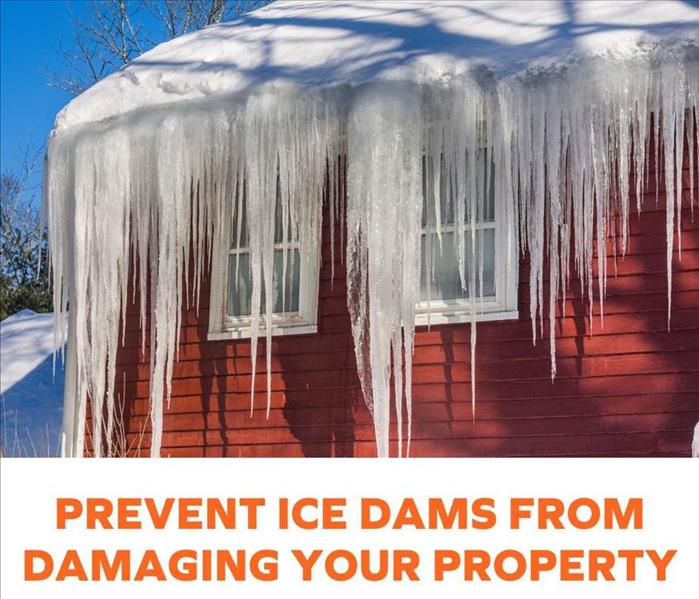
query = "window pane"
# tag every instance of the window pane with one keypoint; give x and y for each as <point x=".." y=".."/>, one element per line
<point x="241" y="207"/>
<point x="448" y="198"/>
<point x="446" y="203"/>
<point x="279" y="221"/>
<point x="444" y="282"/>
<point x="489" y="189"/>
<point x="240" y="284"/>
<point x="289" y="301"/>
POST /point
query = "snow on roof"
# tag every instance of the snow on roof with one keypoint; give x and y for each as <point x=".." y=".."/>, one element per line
<point x="327" y="43"/>
<point x="32" y="397"/>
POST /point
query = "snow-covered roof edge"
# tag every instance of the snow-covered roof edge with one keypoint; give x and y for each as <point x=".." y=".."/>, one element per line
<point x="326" y="44"/>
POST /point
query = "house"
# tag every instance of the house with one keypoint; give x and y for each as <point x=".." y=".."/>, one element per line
<point x="348" y="228"/>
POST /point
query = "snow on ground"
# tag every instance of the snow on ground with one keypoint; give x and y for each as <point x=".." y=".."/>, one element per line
<point x="354" y="41"/>
<point x="31" y="396"/>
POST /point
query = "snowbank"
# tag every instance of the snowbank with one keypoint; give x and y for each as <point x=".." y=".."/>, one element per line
<point x="32" y="397"/>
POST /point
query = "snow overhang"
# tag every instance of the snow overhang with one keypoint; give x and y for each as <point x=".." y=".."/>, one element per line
<point x="322" y="44"/>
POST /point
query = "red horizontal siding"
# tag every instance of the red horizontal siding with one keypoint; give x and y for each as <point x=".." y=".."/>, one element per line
<point x="627" y="388"/>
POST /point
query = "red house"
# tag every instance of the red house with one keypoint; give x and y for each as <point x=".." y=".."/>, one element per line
<point x="475" y="221"/>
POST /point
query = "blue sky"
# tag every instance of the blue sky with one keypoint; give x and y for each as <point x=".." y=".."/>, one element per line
<point x="30" y="34"/>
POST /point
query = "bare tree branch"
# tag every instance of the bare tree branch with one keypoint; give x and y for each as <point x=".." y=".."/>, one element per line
<point x="22" y="240"/>
<point x="114" y="32"/>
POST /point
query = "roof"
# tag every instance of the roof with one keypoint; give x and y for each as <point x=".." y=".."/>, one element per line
<point x="327" y="43"/>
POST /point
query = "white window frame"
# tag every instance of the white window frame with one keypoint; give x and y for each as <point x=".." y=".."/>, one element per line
<point x="302" y="322"/>
<point x="501" y="307"/>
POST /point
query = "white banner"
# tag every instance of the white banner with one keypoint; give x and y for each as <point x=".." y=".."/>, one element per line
<point x="350" y="528"/>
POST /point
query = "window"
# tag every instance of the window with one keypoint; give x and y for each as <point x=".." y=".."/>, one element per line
<point x="442" y="298"/>
<point x="295" y="283"/>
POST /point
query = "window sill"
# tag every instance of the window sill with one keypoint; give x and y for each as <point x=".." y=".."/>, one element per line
<point x="439" y="317"/>
<point x="277" y="331"/>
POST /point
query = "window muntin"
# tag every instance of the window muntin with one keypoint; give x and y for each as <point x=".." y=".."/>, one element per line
<point x="444" y="284"/>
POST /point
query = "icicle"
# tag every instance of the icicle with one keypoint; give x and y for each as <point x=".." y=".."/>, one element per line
<point x="384" y="212"/>
<point x="288" y="140"/>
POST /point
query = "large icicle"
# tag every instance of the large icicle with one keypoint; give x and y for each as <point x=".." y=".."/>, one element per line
<point x="90" y="221"/>
<point x="562" y="147"/>
<point x="290" y="142"/>
<point x="156" y="193"/>
<point x="384" y="211"/>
